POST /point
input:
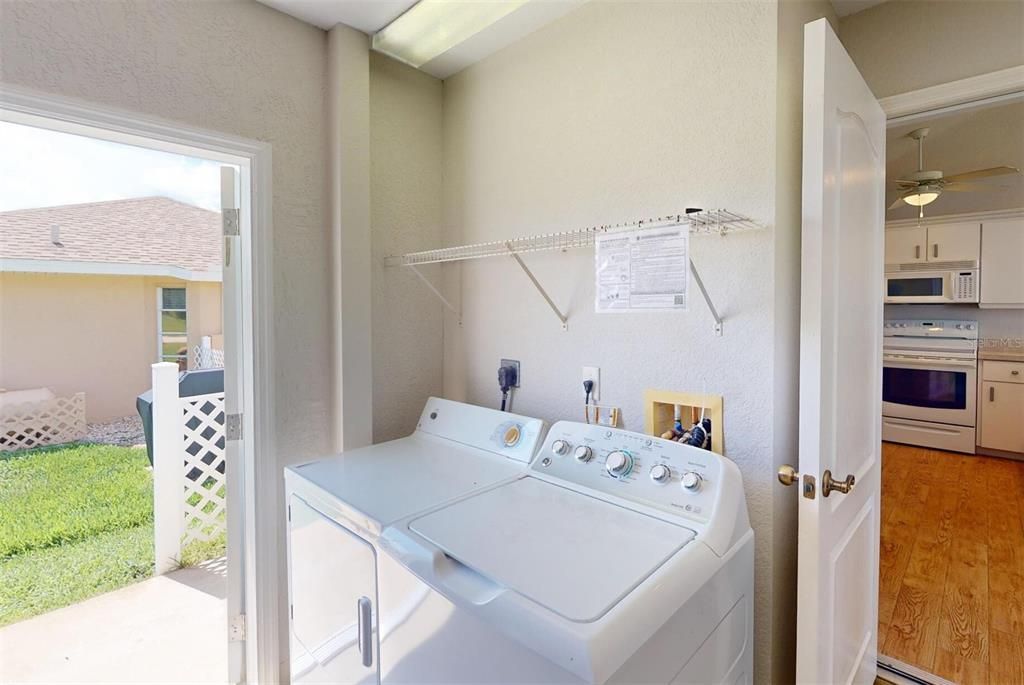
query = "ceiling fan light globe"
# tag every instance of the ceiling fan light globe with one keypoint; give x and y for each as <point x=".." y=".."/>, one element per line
<point x="919" y="197"/>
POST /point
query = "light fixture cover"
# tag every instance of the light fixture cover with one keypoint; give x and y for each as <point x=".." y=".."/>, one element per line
<point x="431" y="28"/>
<point x="921" y="196"/>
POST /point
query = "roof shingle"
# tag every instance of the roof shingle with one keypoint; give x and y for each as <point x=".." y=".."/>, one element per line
<point x="147" y="230"/>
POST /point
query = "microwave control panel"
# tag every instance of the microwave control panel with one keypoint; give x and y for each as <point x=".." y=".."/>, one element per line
<point x="965" y="286"/>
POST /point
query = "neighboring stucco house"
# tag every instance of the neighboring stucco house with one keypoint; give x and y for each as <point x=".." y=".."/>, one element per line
<point x="92" y="294"/>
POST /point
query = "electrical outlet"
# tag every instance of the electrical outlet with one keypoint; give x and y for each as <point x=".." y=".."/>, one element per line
<point x="593" y="373"/>
<point x="514" y="363"/>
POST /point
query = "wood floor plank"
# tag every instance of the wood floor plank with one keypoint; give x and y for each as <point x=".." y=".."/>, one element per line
<point x="970" y="630"/>
<point x="1006" y="662"/>
<point x="963" y="630"/>
<point x="913" y="631"/>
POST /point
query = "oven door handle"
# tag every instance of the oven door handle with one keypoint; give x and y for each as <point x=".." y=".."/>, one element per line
<point x="930" y="362"/>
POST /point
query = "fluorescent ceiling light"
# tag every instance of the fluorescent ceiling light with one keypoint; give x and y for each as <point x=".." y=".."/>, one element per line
<point x="431" y="28"/>
<point x="921" y="196"/>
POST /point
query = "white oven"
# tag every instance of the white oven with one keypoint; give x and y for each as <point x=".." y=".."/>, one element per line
<point x="931" y="287"/>
<point x="929" y="383"/>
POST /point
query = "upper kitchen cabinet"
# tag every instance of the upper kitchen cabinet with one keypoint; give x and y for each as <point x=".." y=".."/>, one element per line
<point x="954" y="243"/>
<point x="1002" y="264"/>
<point x="905" y="245"/>
<point x="959" y="242"/>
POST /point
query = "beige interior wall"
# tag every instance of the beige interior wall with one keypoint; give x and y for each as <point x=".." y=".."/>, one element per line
<point x="406" y="191"/>
<point x="233" y="66"/>
<point x="911" y="44"/>
<point x="617" y="111"/>
<point x="69" y="333"/>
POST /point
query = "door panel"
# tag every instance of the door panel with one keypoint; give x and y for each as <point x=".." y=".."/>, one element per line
<point x="333" y="576"/>
<point x="905" y="245"/>
<point x="841" y="364"/>
<point x="954" y="242"/>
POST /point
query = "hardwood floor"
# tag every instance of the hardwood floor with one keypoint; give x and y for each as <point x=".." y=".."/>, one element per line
<point x="951" y="572"/>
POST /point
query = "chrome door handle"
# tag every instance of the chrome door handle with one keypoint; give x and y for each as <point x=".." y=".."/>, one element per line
<point x="365" y="636"/>
<point x="828" y="484"/>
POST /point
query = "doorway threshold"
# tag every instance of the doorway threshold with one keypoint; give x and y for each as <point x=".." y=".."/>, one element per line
<point x="899" y="673"/>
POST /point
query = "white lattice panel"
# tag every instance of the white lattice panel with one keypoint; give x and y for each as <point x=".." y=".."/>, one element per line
<point x="205" y="462"/>
<point x="207" y="357"/>
<point x="47" y="422"/>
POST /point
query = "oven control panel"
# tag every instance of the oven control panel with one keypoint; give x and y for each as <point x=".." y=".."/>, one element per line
<point x="930" y="328"/>
<point x="660" y="473"/>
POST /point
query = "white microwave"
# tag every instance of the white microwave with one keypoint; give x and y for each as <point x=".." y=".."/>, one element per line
<point x="932" y="287"/>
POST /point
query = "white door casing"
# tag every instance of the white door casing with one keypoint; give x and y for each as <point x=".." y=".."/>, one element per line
<point x="231" y="315"/>
<point x="840" y="365"/>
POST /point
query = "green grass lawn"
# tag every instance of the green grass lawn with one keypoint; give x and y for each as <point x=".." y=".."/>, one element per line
<point x="77" y="521"/>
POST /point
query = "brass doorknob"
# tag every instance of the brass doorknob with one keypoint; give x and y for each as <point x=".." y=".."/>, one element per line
<point x="828" y="484"/>
<point x="788" y="475"/>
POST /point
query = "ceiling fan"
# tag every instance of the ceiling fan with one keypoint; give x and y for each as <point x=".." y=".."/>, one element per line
<point x="924" y="187"/>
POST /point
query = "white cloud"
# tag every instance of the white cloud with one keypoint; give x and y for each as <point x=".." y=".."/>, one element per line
<point x="42" y="168"/>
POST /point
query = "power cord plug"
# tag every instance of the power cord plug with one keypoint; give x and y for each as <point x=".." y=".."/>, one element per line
<point x="588" y="387"/>
<point x="506" y="381"/>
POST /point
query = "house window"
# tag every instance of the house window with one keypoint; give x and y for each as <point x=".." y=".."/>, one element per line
<point x="172" y="327"/>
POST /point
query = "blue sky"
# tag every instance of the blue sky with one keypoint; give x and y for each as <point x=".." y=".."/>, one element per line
<point x="41" y="168"/>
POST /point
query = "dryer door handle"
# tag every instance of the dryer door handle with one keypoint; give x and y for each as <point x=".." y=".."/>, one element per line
<point x="364" y="610"/>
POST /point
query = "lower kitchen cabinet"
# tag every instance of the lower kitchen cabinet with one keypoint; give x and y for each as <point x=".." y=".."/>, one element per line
<point x="1001" y="406"/>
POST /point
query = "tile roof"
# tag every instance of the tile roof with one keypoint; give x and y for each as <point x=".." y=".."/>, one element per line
<point x="152" y="231"/>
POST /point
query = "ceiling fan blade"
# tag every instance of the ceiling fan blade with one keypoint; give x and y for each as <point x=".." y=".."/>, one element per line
<point x="960" y="187"/>
<point x="983" y="173"/>
<point x="905" y="182"/>
<point x="899" y="203"/>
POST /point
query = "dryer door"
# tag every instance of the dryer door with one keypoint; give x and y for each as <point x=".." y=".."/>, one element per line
<point x="333" y="585"/>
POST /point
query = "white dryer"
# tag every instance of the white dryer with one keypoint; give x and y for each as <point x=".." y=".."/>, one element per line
<point x="347" y="597"/>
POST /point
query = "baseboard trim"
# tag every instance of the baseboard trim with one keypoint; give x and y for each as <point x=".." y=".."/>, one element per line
<point x="899" y="673"/>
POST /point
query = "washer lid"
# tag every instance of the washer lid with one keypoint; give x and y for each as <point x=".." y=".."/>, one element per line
<point x="571" y="553"/>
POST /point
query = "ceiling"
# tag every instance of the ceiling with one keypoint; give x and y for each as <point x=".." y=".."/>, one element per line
<point x="847" y="7"/>
<point x="369" y="16"/>
<point x="962" y="141"/>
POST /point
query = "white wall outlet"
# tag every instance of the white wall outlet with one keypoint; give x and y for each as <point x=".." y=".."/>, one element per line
<point x="593" y="373"/>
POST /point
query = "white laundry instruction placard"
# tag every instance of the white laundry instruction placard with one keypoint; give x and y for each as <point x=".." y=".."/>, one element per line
<point x="642" y="270"/>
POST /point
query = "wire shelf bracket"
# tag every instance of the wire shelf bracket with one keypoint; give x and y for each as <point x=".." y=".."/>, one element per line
<point x="700" y="222"/>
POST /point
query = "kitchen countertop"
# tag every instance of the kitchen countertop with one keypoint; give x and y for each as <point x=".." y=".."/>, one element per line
<point x="1001" y="349"/>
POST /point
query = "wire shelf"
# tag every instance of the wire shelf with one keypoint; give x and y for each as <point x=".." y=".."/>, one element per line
<point x="705" y="222"/>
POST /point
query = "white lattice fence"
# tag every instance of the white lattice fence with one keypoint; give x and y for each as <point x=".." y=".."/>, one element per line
<point x="207" y="357"/>
<point x="46" y="422"/>
<point x="205" y="484"/>
<point x="189" y="467"/>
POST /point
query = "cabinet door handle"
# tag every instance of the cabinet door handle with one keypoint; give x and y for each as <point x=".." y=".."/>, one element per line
<point x="1015" y="372"/>
<point x="935" y="250"/>
<point x="917" y="251"/>
<point x="365" y="630"/>
<point x="991" y="393"/>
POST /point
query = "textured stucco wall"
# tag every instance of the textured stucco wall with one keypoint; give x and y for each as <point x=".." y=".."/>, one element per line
<point x="618" y="111"/>
<point x="405" y="174"/>
<point x="233" y="66"/>
<point x="911" y="44"/>
<point x="91" y="334"/>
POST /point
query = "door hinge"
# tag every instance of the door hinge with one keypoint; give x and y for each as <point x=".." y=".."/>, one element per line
<point x="236" y="628"/>
<point x="229" y="218"/>
<point x="233" y="426"/>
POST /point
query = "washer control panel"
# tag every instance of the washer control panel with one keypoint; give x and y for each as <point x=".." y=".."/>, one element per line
<point x="659" y="473"/>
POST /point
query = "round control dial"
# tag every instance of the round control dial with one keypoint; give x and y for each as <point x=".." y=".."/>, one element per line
<point x="661" y="473"/>
<point x="691" y="481"/>
<point x="619" y="464"/>
<point x="584" y="454"/>
<point x="560" y="447"/>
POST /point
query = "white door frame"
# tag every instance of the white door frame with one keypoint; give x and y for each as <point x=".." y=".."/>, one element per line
<point x="260" y="557"/>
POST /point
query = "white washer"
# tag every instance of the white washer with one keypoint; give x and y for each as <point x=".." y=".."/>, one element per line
<point x="615" y="558"/>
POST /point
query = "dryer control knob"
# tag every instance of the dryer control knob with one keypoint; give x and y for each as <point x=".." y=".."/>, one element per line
<point x="691" y="481"/>
<point x="584" y="454"/>
<point x="660" y="473"/>
<point x="560" y="447"/>
<point x="619" y="464"/>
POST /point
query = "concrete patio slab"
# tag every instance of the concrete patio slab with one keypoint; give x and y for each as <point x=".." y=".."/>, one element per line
<point x="168" y="629"/>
